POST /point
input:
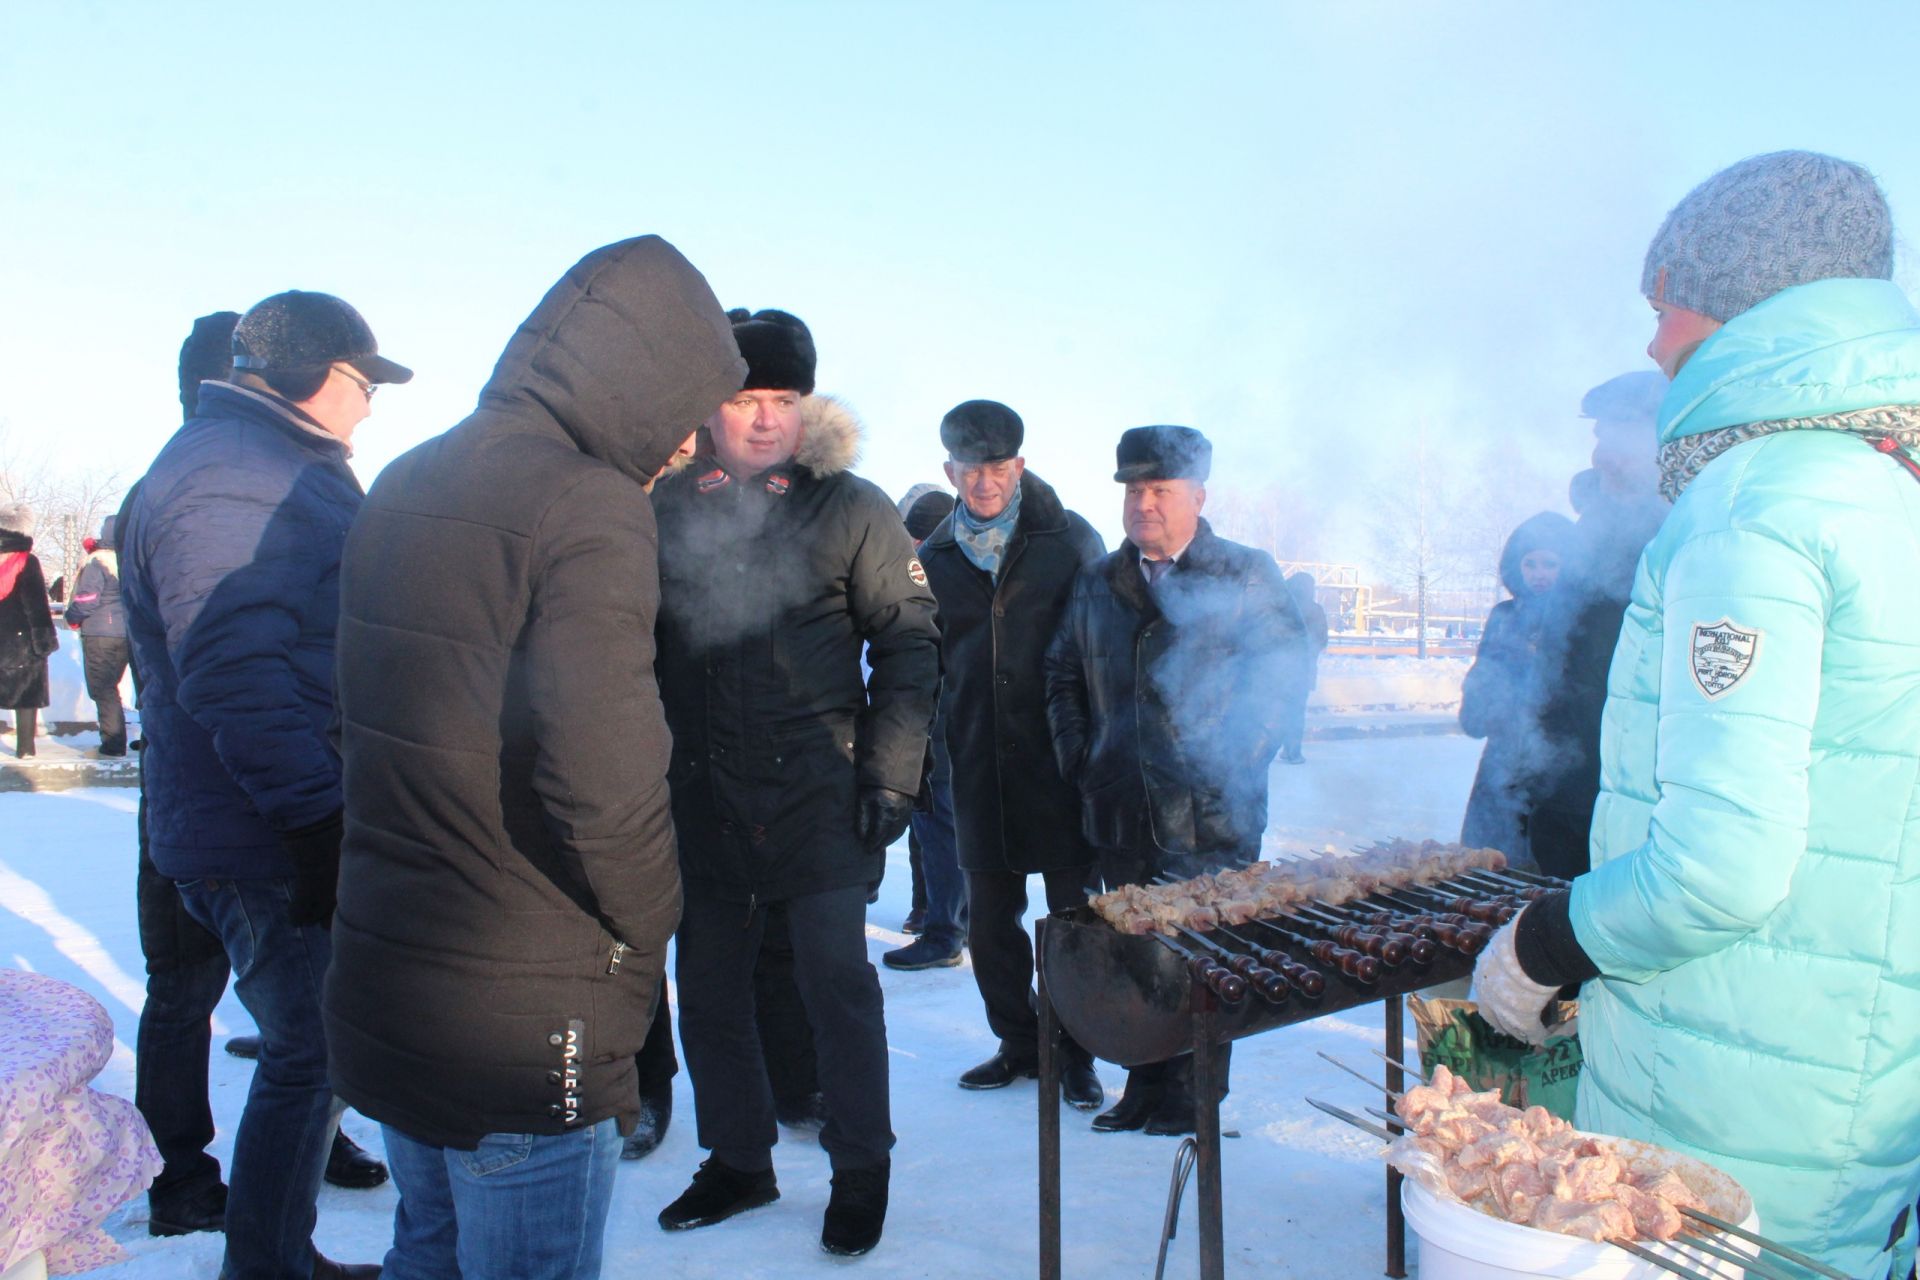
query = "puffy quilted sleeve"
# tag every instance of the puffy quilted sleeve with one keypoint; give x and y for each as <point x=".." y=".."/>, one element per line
<point x="1744" y="619"/>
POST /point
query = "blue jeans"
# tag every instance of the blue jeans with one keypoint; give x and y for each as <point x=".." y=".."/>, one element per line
<point x="280" y="1149"/>
<point x="946" y="920"/>
<point x="520" y="1206"/>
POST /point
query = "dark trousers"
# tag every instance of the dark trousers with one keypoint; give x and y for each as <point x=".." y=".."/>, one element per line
<point x="655" y="1062"/>
<point x="777" y="1013"/>
<point x="1293" y="724"/>
<point x="186" y="976"/>
<point x="733" y="1099"/>
<point x="106" y="662"/>
<point x="946" y="902"/>
<point x="1558" y="840"/>
<point x="280" y="1148"/>
<point x="26" y="723"/>
<point x="1003" y="953"/>
<point x="780" y="1016"/>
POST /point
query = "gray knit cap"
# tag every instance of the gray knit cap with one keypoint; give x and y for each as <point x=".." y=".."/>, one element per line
<point x="1765" y="224"/>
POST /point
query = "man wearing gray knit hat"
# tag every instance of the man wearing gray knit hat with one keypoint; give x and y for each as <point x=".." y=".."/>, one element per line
<point x="1743" y="937"/>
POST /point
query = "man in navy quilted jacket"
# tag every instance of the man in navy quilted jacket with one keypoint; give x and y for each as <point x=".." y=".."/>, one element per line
<point x="230" y="569"/>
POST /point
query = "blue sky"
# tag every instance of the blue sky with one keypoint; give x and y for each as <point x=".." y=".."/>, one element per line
<point x="1310" y="230"/>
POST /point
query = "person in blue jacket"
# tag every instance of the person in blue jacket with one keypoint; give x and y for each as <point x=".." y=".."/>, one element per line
<point x="230" y="574"/>
<point x="1746" y="935"/>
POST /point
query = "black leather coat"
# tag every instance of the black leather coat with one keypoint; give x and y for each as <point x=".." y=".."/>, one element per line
<point x="1166" y="703"/>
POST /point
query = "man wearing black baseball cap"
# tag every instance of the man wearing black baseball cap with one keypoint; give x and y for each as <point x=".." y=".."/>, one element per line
<point x="230" y="573"/>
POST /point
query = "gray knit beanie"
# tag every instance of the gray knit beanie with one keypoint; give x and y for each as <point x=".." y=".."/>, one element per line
<point x="1765" y="224"/>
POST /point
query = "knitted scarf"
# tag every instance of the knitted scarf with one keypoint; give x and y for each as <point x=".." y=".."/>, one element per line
<point x="1684" y="459"/>
<point x="985" y="541"/>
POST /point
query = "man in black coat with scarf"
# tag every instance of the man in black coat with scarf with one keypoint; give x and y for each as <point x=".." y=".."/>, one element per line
<point x="509" y="880"/>
<point x="1002" y="566"/>
<point x="791" y="773"/>
<point x="1166" y="692"/>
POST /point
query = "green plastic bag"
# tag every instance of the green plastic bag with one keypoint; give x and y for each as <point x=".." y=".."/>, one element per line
<point x="1454" y="1033"/>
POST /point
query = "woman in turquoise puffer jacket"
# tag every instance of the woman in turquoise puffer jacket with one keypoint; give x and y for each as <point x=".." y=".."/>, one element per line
<point x="1749" y="925"/>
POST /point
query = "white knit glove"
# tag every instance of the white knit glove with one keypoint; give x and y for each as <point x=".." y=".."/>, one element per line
<point x="1507" y="997"/>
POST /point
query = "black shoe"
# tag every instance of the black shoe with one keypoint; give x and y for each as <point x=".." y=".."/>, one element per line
<point x="351" y="1167"/>
<point x="244" y="1046"/>
<point x="718" y="1193"/>
<point x="1136" y="1105"/>
<point x="325" y="1268"/>
<point x="112" y="753"/>
<point x="1080" y="1086"/>
<point x="999" y="1071"/>
<point x="808" y="1113"/>
<point x="916" y="921"/>
<point x="924" y="952"/>
<point x="656" y="1113"/>
<point x="206" y="1210"/>
<point x="856" y="1211"/>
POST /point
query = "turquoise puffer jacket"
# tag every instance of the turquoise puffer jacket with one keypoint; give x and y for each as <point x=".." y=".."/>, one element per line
<point x="1755" y="900"/>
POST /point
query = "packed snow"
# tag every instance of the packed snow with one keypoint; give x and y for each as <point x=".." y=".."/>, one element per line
<point x="1304" y="1194"/>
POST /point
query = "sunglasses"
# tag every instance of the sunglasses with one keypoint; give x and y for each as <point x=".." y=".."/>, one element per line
<point x="366" y="388"/>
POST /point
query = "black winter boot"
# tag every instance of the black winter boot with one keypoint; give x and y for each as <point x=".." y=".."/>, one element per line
<point x="351" y="1166"/>
<point x="1137" y="1102"/>
<point x="857" y="1210"/>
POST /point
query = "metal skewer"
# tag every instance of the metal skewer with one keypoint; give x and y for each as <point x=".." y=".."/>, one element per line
<point x="1360" y="1075"/>
<point x="1415" y="1072"/>
<point x="1222" y="981"/>
<point x="1309" y="982"/>
<point x="1365" y="1126"/>
<point x="1659" y="1260"/>
<point x="1270" y="986"/>
<point x="1752" y="1266"/>
<point x="1752" y="1237"/>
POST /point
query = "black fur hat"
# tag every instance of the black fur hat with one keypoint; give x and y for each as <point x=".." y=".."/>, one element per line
<point x="778" y="349"/>
<point x="1162" y="453"/>
<point x="206" y="356"/>
<point x="982" y="431"/>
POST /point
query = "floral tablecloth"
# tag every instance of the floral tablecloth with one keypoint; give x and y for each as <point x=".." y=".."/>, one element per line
<point x="69" y="1156"/>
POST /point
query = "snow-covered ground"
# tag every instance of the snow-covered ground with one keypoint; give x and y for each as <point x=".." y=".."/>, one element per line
<point x="1304" y="1194"/>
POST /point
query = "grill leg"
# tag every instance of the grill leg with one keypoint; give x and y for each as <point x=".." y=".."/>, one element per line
<point x="1049" y="1127"/>
<point x="1396" y="1219"/>
<point x="1206" y="1088"/>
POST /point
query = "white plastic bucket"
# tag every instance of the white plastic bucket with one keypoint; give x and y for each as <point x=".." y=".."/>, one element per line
<point x="1458" y="1243"/>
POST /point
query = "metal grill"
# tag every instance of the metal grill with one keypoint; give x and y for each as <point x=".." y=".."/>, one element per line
<point x="1136" y="999"/>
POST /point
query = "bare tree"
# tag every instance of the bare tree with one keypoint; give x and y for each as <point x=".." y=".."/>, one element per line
<point x="1418" y="537"/>
<point x="67" y="507"/>
<point x="1277" y="519"/>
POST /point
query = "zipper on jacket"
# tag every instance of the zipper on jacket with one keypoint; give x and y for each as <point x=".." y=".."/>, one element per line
<point x="615" y="956"/>
<point x="753" y="900"/>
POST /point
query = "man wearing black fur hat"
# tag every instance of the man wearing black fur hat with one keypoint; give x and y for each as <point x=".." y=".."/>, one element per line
<point x="1167" y="687"/>
<point x="1002" y="567"/>
<point x="791" y="774"/>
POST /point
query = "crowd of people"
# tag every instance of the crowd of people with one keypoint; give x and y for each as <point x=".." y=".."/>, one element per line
<point x="436" y="772"/>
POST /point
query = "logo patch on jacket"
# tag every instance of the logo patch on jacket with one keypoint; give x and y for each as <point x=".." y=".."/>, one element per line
<point x="1723" y="654"/>
<point x="917" y="572"/>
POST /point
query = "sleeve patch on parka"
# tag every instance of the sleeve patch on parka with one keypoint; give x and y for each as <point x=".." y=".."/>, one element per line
<point x="1723" y="653"/>
<point x="917" y="572"/>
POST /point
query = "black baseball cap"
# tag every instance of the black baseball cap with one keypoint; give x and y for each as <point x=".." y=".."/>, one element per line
<point x="299" y="330"/>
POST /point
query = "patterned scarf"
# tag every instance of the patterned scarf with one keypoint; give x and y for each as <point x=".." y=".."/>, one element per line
<point x="1682" y="460"/>
<point x="985" y="541"/>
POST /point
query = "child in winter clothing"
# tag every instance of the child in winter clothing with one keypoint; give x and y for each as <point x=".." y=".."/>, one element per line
<point x="26" y="627"/>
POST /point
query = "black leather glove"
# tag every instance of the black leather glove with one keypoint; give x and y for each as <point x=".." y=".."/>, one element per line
<point x="315" y="851"/>
<point x="883" y="817"/>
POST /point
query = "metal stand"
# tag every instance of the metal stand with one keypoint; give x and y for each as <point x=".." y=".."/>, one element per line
<point x="1183" y="1158"/>
<point x="1396" y="1217"/>
<point x="1049" y="1126"/>
<point x="1206" y="1132"/>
